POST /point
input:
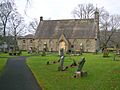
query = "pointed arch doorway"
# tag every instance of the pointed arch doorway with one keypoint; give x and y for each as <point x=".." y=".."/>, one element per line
<point x="63" y="43"/>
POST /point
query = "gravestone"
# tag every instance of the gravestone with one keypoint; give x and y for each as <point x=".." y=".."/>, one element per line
<point x="72" y="50"/>
<point x="44" y="52"/>
<point x="116" y="54"/>
<point x="61" y="67"/>
<point x="30" y="50"/>
<point x="79" y="72"/>
<point x="48" y="63"/>
<point x="45" y="49"/>
<point x="118" y="51"/>
<point x="81" y="63"/>
<point x="105" y="52"/>
<point x="53" y="62"/>
<point x="73" y="64"/>
<point x="81" y="48"/>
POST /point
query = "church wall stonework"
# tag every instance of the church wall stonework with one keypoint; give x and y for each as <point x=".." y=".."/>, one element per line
<point x="88" y="45"/>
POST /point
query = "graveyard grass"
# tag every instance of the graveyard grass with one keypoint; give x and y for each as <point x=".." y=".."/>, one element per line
<point x="103" y="73"/>
<point x="24" y="53"/>
<point x="2" y="64"/>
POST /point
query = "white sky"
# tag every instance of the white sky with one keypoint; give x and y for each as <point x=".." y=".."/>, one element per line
<point x="61" y="9"/>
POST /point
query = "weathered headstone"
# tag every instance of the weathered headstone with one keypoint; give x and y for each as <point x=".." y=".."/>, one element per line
<point x="81" y="63"/>
<point x="45" y="49"/>
<point x="61" y="67"/>
<point x="114" y="57"/>
<point x="96" y="51"/>
<point x="58" y="61"/>
<point x="48" y="63"/>
<point x="81" y="49"/>
<point x="116" y="54"/>
<point x="118" y="51"/>
<point x="72" y="50"/>
<point x="79" y="72"/>
<point x="105" y="52"/>
<point x="30" y="50"/>
<point x="66" y="68"/>
<point x="54" y="62"/>
<point x="73" y="64"/>
<point x="43" y="52"/>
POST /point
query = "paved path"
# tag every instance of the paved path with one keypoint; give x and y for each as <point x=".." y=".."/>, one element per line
<point x="17" y="76"/>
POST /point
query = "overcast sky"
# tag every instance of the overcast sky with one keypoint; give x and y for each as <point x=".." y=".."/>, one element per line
<point x="61" y="9"/>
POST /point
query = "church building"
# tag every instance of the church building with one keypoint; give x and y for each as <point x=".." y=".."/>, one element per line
<point x="67" y="34"/>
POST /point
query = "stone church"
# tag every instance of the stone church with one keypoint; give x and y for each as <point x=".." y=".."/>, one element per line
<point x="67" y="34"/>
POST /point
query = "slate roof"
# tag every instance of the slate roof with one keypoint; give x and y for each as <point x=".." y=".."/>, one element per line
<point x="72" y="28"/>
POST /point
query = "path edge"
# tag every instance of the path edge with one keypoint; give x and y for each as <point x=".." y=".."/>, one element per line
<point x="41" y="88"/>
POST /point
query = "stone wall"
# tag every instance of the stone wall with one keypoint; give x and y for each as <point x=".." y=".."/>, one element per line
<point x="89" y="45"/>
<point x="25" y="44"/>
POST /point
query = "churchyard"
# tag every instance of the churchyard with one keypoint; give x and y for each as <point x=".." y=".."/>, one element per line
<point x="87" y="71"/>
<point x="103" y="73"/>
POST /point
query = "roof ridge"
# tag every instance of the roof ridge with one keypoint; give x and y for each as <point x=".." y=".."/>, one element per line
<point x="70" y="19"/>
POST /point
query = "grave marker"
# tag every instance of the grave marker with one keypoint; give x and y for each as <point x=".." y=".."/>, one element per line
<point x="79" y="72"/>
<point x="61" y="67"/>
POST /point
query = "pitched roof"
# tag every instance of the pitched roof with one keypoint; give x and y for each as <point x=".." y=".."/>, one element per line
<point x="28" y="36"/>
<point x="72" y="28"/>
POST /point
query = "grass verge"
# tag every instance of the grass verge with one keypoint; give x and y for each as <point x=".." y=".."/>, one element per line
<point x="2" y="64"/>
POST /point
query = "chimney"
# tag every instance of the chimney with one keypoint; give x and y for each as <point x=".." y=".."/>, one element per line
<point x="41" y="19"/>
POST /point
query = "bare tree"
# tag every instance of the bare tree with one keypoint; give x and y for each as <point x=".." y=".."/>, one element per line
<point x="33" y="25"/>
<point x="6" y="9"/>
<point x="17" y="25"/>
<point x="116" y="39"/>
<point x="84" y="11"/>
<point x="109" y="25"/>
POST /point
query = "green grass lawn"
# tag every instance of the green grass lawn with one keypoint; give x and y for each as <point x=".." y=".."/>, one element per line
<point x="103" y="73"/>
<point x="24" y="53"/>
<point x="2" y="64"/>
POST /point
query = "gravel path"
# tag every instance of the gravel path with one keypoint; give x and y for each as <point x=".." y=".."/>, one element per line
<point x="17" y="76"/>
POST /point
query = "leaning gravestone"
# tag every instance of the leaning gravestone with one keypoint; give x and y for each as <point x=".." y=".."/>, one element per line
<point x="73" y="64"/>
<point x="81" y="63"/>
<point x="61" y="67"/>
<point x="79" y="72"/>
